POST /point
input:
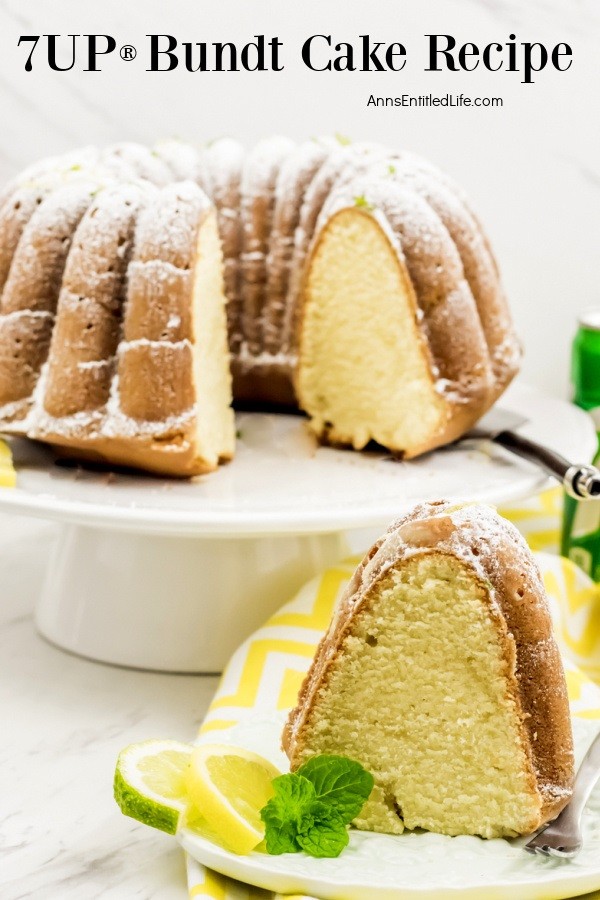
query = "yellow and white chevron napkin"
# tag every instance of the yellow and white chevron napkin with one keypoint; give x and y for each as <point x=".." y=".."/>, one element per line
<point x="267" y="670"/>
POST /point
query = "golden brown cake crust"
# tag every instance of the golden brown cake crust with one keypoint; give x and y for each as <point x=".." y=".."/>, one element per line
<point x="88" y="324"/>
<point x="32" y="288"/>
<point x="499" y="557"/>
<point x="479" y="264"/>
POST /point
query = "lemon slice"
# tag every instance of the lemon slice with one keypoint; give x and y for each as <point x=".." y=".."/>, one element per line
<point x="229" y="787"/>
<point x="150" y="783"/>
<point x="8" y="476"/>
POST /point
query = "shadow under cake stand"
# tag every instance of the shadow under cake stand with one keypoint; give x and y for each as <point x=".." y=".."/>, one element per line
<point x="172" y="576"/>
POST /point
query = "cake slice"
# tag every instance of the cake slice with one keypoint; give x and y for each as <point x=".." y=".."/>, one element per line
<point x="440" y="674"/>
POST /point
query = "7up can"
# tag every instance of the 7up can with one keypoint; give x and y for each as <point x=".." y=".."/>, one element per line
<point x="581" y="521"/>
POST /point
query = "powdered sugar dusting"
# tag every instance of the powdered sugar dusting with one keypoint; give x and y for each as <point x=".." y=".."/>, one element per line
<point x="181" y="158"/>
<point x="261" y="168"/>
<point x="475" y="534"/>
<point x="159" y="344"/>
<point x="117" y="424"/>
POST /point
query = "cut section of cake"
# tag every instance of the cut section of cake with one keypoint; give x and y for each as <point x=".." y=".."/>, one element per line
<point x="391" y="348"/>
<point x="441" y="675"/>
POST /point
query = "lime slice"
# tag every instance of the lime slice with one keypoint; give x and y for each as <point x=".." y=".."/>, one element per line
<point x="8" y="476"/>
<point x="150" y="782"/>
<point x="229" y="787"/>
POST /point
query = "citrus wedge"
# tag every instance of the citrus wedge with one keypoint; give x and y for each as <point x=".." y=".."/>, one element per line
<point x="150" y="782"/>
<point x="229" y="786"/>
<point x="8" y="476"/>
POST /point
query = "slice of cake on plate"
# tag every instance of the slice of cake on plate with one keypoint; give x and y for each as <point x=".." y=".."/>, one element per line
<point x="441" y="675"/>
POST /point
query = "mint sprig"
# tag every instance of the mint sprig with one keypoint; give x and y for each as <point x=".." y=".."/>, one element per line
<point x="311" y="808"/>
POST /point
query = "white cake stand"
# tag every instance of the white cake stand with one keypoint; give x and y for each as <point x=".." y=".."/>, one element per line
<point x="172" y="576"/>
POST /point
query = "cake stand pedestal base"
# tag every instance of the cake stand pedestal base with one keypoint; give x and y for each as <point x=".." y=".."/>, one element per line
<point x="170" y="603"/>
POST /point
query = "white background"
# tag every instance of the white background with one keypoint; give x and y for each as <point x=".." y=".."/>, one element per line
<point x="532" y="167"/>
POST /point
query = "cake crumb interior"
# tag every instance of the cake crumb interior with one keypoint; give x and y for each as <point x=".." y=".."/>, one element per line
<point x="421" y="695"/>
<point x="215" y="429"/>
<point x="363" y="371"/>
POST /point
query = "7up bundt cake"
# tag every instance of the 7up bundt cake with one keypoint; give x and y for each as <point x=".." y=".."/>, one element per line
<point x="141" y="289"/>
<point x="440" y="674"/>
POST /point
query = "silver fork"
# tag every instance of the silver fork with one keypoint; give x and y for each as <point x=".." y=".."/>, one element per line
<point x="562" y="838"/>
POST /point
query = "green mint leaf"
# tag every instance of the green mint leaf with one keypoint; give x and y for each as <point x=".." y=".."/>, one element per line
<point x="326" y="815"/>
<point x="362" y="203"/>
<point x="340" y="783"/>
<point x="327" y="837"/>
<point x="280" y="837"/>
<point x="287" y="813"/>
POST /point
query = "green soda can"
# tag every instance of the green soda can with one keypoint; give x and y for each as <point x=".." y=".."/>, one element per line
<point x="580" y="539"/>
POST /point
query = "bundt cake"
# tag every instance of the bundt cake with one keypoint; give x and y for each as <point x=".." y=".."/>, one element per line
<point x="440" y="674"/>
<point x="347" y="281"/>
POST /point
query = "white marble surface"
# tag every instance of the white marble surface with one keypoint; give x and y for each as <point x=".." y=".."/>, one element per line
<point x="64" y="720"/>
<point x="531" y="167"/>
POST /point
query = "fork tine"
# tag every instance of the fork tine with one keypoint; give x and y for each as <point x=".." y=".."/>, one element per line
<point x="562" y="838"/>
<point x="548" y="843"/>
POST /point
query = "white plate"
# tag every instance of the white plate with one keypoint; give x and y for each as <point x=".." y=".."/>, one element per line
<point x="410" y="866"/>
<point x="280" y="482"/>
